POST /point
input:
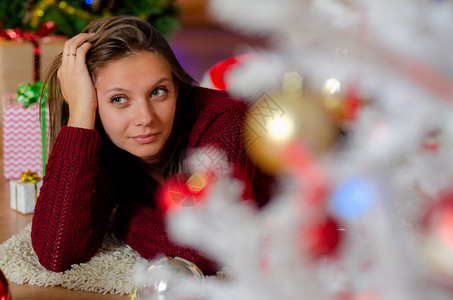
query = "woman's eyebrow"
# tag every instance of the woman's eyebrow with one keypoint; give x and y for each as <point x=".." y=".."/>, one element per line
<point x="116" y="89"/>
<point x="123" y="90"/>
<point x="163" y="79"/>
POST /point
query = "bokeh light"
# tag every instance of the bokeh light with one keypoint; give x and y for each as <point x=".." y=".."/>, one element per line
<point x="353" y="197"/>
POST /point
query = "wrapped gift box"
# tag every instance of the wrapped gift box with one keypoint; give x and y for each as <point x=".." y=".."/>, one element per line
<point x="22" y="138"/>
<point x="17" y="60"/>
<point x="23" y="195"/>
<point x="16" y="65"/>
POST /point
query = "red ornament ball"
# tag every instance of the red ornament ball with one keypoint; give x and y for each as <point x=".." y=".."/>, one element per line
<point x="320" y="238"/>
<point x="437" y="239"/>
<point x="182" y="190"/>
<point x="438" y="221"/>
<point x="4" y="289"/>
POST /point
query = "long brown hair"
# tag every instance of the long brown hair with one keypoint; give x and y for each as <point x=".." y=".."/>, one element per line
<point x="115" y="38"/>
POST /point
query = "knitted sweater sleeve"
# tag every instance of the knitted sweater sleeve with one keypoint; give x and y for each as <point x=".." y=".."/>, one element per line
<point x="143" y="229"/>
<point x="68" y="225"/>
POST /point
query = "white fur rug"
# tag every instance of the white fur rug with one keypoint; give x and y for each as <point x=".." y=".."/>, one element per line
<point x="109" y="271"/>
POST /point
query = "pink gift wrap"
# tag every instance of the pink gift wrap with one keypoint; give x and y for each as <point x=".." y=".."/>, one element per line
<point x="22" y="141"/>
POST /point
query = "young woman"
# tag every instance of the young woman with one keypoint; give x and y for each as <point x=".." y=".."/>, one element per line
<point x="124" y="116"/>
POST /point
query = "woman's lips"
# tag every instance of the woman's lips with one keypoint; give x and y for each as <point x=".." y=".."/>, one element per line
<point x="145" y="138"/>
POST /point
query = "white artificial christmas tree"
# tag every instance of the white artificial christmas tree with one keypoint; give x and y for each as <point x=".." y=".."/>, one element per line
<point x="385" y="181"/>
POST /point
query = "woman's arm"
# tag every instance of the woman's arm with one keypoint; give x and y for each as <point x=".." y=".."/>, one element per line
<point x="143" y="229"/>
<point x="68" y="225"/>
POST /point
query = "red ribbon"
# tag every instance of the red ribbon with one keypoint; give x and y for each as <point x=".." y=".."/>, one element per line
<point x="20" y="35"/>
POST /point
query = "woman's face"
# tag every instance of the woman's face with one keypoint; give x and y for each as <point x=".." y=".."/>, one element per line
<point x="136" y="103"/>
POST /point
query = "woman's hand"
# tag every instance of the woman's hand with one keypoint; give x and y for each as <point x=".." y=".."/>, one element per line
<point x="76" y="84"/>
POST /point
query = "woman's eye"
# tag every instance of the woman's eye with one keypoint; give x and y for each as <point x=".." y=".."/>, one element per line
<point x="118" y="100"/>
<point x="159" y="92"/>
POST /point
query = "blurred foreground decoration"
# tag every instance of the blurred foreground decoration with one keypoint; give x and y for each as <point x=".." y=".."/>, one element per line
<point x="4" y="288"/>
<point x="160" y="279"/>
<point x="369" y="216"/>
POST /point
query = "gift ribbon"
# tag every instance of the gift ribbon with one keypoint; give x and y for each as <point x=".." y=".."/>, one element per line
<point x="20" y="35"/>
<point x="32" y="177"/>
<point x="27" y="177"/>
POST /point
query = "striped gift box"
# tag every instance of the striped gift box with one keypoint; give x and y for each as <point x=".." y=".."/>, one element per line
<point x="22" y="145"/>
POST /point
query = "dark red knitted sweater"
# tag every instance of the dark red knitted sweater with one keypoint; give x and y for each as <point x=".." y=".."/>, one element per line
<point x="71" y="214"/>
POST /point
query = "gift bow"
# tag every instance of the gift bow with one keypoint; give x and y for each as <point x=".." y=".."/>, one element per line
<point x="28" y="176"/>
<point x="30" y="93"/>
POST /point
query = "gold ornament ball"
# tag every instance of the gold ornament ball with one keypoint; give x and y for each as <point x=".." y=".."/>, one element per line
<point x="277" y="119"/>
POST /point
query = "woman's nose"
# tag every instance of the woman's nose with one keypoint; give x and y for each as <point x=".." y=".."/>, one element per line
<point x="143" y="113"/>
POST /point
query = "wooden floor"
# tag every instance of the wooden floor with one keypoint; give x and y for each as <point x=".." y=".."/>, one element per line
<point x="197" y="48"/>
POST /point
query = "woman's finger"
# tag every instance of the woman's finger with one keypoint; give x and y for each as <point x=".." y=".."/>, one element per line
<point x="71" y="46"/>
<point x="82" y="51"/>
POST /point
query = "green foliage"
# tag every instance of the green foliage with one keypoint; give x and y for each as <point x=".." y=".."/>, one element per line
<point x="162" y="14"/>
<point x="65" y="24"/>
<point x="12" y="13"/>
